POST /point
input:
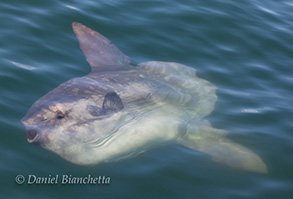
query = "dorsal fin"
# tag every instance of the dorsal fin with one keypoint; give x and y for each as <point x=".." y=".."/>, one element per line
<point x="99" y="52"/>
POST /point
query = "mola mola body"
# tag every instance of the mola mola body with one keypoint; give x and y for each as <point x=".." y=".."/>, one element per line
<point x="119" y="110"/>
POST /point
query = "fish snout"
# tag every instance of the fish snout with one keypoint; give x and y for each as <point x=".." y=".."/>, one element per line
<point x="31" y="135"/>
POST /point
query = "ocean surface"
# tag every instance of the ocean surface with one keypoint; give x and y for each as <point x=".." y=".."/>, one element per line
<point x="245" y="48"/>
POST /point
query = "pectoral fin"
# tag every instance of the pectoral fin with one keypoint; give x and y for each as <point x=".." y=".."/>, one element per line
<point x="222" y="150"/>
<point x="112" y="103"/>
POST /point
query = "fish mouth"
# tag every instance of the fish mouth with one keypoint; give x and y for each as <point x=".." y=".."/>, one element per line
<point x="32" y="135"/>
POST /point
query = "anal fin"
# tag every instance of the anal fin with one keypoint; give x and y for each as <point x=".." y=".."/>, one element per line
<point x="201" y="138"/>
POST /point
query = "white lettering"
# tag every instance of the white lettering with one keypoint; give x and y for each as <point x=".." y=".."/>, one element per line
<point x="31" y="179"/>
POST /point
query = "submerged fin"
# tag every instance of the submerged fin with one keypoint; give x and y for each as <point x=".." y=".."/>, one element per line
<point x="202" y="137"/>
<point x="99" y="52"/>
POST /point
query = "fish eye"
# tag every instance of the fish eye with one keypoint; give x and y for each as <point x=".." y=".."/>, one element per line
<point x="60" y="115"/>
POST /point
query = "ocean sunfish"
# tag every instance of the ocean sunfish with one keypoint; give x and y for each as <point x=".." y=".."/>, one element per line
<point x="120" y="110"/>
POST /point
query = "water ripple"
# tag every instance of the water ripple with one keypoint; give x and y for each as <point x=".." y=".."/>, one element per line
<point x="243" y="47"/>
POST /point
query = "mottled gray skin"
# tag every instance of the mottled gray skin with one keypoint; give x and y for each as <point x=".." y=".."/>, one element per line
<point x="120" y="110"/>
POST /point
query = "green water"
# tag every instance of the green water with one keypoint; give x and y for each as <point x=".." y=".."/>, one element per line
<point x="243" y="47"/>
